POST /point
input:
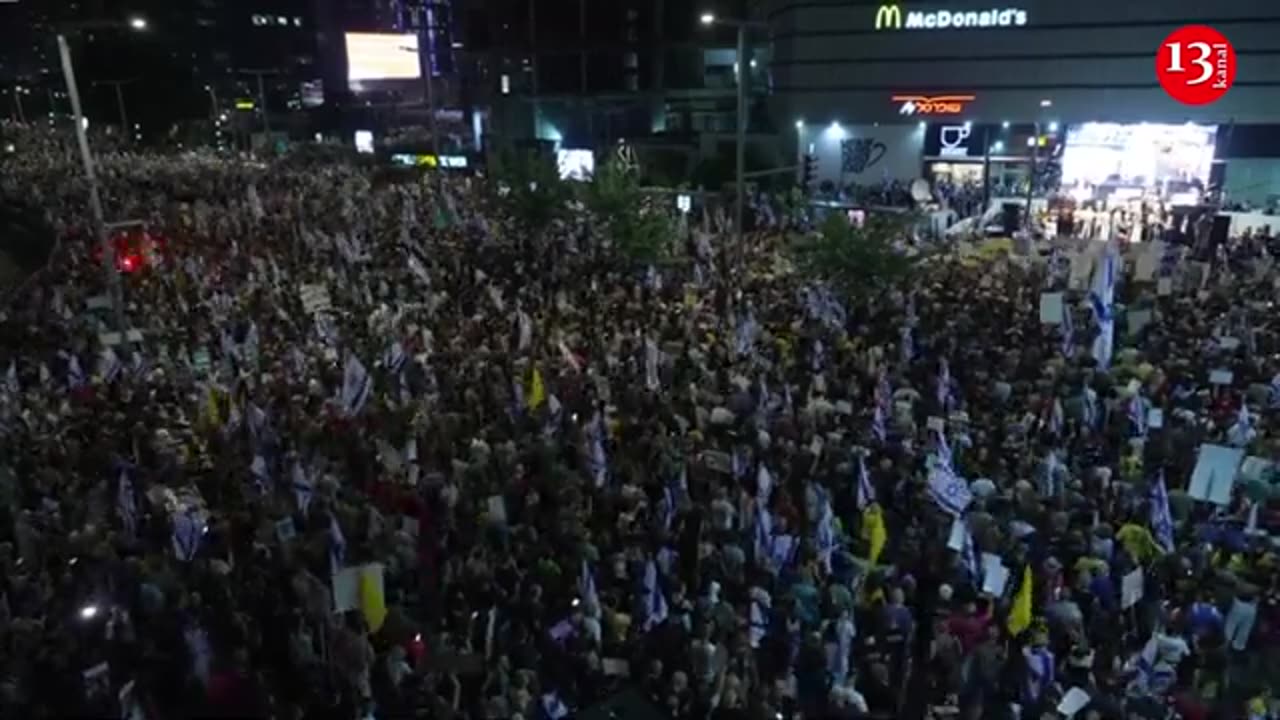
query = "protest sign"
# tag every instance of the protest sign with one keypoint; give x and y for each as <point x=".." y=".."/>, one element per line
<point x="1132" y="588"/>
<point x="1215" y="473"/>
<point x="1051" y="308"/>
<point x="315" y="298"/>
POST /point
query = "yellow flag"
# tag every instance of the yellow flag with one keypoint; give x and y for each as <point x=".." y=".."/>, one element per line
<point x="373" y="601"/>
<point x="1020" y="613"/>
<point x="537" y="392"/>
<point x="211" y="414"/>
<point x="873" y="531"/>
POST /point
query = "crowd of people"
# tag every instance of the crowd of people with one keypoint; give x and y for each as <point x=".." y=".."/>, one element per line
<point x="367" y="448"/>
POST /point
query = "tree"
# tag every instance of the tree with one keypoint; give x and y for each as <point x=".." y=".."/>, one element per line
<point x="856" y="260"/>
<point x="640" y="232"/>
<point x="530" y="190"/>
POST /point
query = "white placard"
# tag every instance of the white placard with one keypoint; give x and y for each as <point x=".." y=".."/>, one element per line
<point x="346" y="589"/>
<point x="1131" y="588"/>
<point x="1051" y="308"/>
<point x="1215" y="473"/>
<point x="1146" y="265"/>
<point x="994" y="580"/>
<point x="1228" y="343"/>
<point x="936" y="424"/>
<point x="1073" y="702"/>
<point x="409" y="525"/>
<point x="1221" y="377"/>
<point x="315" y="298"/>
<point x="110" y="339"/>
<point x="497" y="506"/>
<point x="1155" y="418"/>
<point x="1164" y="286"/>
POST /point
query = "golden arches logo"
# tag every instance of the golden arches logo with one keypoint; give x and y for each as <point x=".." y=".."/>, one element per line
<point x="889" y="17"/>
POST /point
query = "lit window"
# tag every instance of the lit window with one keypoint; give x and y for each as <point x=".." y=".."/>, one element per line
<point x="259" y="20"/>
<point x="282" y="20"/>
<point x="506" y="84"/>
<point x="297" y="21"/>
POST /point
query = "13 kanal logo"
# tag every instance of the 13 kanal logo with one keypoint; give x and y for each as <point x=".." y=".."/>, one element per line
<point x="1196" y="65"/>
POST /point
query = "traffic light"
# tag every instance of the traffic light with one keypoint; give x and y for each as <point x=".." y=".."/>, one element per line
<point x="810" y="171"/>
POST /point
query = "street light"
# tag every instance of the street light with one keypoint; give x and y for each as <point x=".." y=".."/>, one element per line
<point x="114" y="289"/>
<point x="743" y="76"/>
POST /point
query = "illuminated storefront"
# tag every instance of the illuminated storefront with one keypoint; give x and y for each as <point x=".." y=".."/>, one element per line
<point x="885" y="72"/>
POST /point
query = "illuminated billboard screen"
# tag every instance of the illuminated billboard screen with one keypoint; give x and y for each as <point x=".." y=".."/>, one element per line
<point x="382" y="56"/>
<point x="1138" y="155"/>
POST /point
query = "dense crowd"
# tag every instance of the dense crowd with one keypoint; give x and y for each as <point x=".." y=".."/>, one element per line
<point x="376" y="452"/>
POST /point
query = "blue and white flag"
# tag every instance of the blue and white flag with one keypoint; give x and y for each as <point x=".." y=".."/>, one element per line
<point x="745" y="334"/>
<point x="587" y="588"/>
<point x="553" y="707"/>
<point x="652" y="381"/>
<point x="1161" y="518"/>
<point x="259" y="472"/>
<point x="127" y="505"/>
<point x="764" y="485"/>
<point x="326" y="329"/>
<point x="759" y="619"/>
<point x="1273" y="392"/>
<point x="1241" y="432"/>
<point x="1092" y="413"/>
<point x="1102" y="298"/>
<point x="1068" y="333"/>
<point x="878" y="428"/>
<point x="763" y="537"/>
<point x="942" y="451"/>
<point x="110" y="367"/>
<point x="655" y="603"/>
<point x="943" y="389"/>
<point x="337" y="546"/>
<point x="969" y="554"/>
<point x="597" y="459"/>
<point x="187" y="534"/>
<point x="303" y="488"/>
<point x="949" y="491"/>
<point x="1137" y="413"/>
<point x="1057" y="417"/>
<point x="826" y="535"/>
<point x="357" y="386"/>
<point x="75" y="375"/>
<point x="395" y="358"/>
<point x="866" y="491"/>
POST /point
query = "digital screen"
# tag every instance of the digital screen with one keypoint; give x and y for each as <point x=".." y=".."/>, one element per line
<point x="1138" y="155"/>
<point x="576" y="164"/>
<point x="382" y="56"/>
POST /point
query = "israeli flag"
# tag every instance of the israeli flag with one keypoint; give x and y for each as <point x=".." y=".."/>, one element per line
<point x="597" y="459"/>
<point x="763" y="534"/>
<point x="826" y="535"/>
<point x="326" y="329"/>
<point x="942" y="450"/>
<point x="553" y="707"/>
<point x="75" y="375"/>
<point x="1241" y="432"/>
<point x="1137" y="413"/>
<point x="337" y="546"/>
<point x="1161" y="518"/>
<point x="878" y="428"/>
<point x="866" y="491"/>
<point x="356" y="385"/>
<point x="395" y="358"/>
<point x="1102" y="298"/>
<point x="261" y="475"/>
<point x="969" y="554"/>
<point x="110" y="367"/>
<point x="651" y="379"/>
<point x="1068" y="332"/>
<point x="745" y="334"/>
<point x="303" y="488"/>
<point x="524" y="331"/>
<point x="187" y="533"/>
<point x="764" y="485"/>
<point x="587" y="587"/>
<point x="949" y="491"/>
<point x="944" y="385"/>
<point x="127" y="505"/>
<point x="759" y="620"/>
<point x="655" y="603"/>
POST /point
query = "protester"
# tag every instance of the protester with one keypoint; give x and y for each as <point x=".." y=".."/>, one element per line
<point x="374" y="451"/>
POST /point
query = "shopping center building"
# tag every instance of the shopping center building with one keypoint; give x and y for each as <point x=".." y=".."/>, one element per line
<point x="898" y="90"/>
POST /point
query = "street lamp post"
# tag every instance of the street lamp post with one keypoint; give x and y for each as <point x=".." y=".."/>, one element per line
<point x="95" y="200"/>
<point x="744" y="70"/>
<point x="112" y="277"/>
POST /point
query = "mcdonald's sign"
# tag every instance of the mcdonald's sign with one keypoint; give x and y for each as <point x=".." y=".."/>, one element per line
<point x="888" y="17"/>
